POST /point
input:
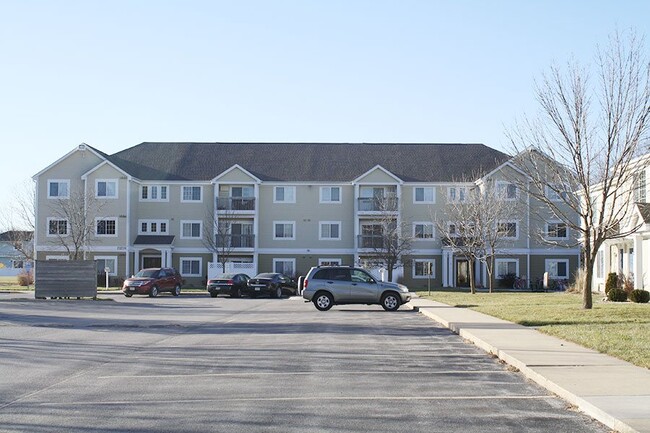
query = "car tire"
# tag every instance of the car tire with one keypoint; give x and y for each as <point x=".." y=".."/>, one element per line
<point x="278" y="292"/>
<point x="213" y="294"/>
<point x="390" y="301"/>
<point x="153" y="292"/>
<point x="128" y="295"/>
<point x="235" y="293"/>
<point x="177" y="290"/>
<point x="323" y="301"/>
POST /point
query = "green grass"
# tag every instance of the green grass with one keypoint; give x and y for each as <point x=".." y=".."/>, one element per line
<point x="620" y="329"/>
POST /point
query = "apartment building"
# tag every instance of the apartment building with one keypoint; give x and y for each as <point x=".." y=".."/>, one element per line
<point x="281" y="207"/>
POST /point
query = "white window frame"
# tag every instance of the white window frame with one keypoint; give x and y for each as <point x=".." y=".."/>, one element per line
<point x="107" y="181"/>
<point x="98" y="219"/>
<point x="191" y="259"/>
<point x="149" y="222"/>
<point x="427" y="224"/>
<point x="62" y="258"/>
<point x="547" y="232"/>
<point x="293" y="230"/>
<point x="158" y="188"/>
<point x="113" y="272"/>
<point x="327" y="261"/>
<point x="330" y="223"/>
<point x="547" y="268"/>
<point x="504" y="260"/>
<point x="65" y="181"/>
<point x="459" y="194"/>
<point x="553" y="195"/>
<point x="199" y="222"/>
<point x="285" y="260"/>
<point x="424" y="201"/>
<point x="503" y="185"/>
<point x="285" y="188"/>
<point x="433" y="269"/>
<point x="516" y="223"/>
<point x="323" y="199"/>
<point x="184" y="200"/>
<point x="67" y="227"/>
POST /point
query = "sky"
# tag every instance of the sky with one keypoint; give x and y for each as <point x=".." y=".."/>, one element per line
<point x="113" y="74"/>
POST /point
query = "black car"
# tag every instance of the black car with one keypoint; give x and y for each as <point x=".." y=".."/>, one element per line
<point x="230" y="284"/>
<point x="273" y="284"/>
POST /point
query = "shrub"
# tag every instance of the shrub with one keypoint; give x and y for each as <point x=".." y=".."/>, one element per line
<point x="626" y="282"/>
<point x="611" y="283"/>
<point x="507" y="280"/>
<point x="617" y="295"/>
<point x="639" y="296"/>
<point x="578" y="282"/>
<point x="25" y="278"/>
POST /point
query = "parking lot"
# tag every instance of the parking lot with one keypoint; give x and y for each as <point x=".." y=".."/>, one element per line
<point x="198" y="364"/>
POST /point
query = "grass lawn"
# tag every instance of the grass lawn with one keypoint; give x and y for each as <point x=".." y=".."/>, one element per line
<point x="620" y="329"/>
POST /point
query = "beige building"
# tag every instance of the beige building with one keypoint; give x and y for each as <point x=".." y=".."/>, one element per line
<point x="281" y="207"/>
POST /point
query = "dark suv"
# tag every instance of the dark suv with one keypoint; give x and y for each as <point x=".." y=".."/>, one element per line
<point x="330" y="285"/>
<point x="153" y="281"/>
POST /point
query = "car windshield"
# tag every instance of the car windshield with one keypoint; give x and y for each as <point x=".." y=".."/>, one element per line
<point x="226" y="277"/>
<point x="266" y="275"/>
<point x="147" y="273"/>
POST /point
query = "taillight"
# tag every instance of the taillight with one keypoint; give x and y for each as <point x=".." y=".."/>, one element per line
<point x="230" y="282"/>
<point x="304" y="284"/>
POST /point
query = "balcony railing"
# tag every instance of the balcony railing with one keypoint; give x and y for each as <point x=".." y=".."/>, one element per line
<point x="375" y="242"/>
<point x="236" y="203"/>
<point x="235" y="241"/>
<point x="377" y="204"/>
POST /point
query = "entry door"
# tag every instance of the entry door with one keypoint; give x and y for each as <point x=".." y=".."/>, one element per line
<point x="151" y="262"/>
<point x="462" y="273"/>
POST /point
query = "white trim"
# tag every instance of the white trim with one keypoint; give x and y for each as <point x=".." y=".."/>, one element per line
<point x="293" y="231"/>
<point x="199" y="222"/>
<point x="190" y="259"/>
<point x="113" y="272"/>
<point x="320" y="195"/>
<point x="285" y="259"/>
<point x="433" y="190"/>
<point x="56" y="235"/>
<point x="158" y="222"/>
<point x="200" y="200"/>
<point x="158" y="187"/>
<point x="63" y="258"/>
<point x="80" y="148"/>
<point x="457" y="189"/>
<point x="510" y="238"/>
<point x="107" y="197"/>
<point x="302" y="251"/>
<point x="100" y="165"/>
<point x="505" y="260"/>
<point x="424" y="277"/>
<point x="97" y="219"/>
<point x="293" y="187"/>
<point x="330" y="223"/>
<point x="235" y="167"/>
<point x="378" y="167"/>
<point x="424" y="223"/>
<point x="65" y="181"/>
<point x="546" y="230"/>
<point x="547" y="262"/>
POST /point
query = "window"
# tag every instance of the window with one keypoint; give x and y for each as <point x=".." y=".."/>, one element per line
<point x="555" y="192"/>
<point x="58" y="189"/>
<point x="457" y="193"/>
<point x="284" y="230"/>
<point x="640" y="187"/>
<point x="191" y="229"/>
<point x="423" y="230"/>
<point x="507" y="190"/>
<point x="330" y="194"/>
<point x="191" y="266"/>
<point x="57" y="227"/>
<point x="423" y="268"/>
<point x="557" y="268"/>
<point x="329" y="262"/>
<point x="330" y="230"/>
<point x="284" y="194"/>
<point x="284" y="266"/>
<point x="191" y="193"/>
<point x="104" y="262"/>
<point x="106" y="188"/>
<point x="153" y="227"/>
<point x="153" y="193"/>
<point x="106" y="227"/>
<point x="556" y="230"/>
<point x="508" y="229"/>
<point x="242" y="191"/>
<point x="424" y="195"/>
<point x="506" y="267"/>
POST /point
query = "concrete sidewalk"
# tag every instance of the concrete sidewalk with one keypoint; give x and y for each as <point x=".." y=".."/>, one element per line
<point x="612" y="391"/>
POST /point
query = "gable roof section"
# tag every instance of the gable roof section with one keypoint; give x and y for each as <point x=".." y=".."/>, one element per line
<point x="326" y="162"/>
<point x="80" y="148"/>
<point x="381" y="169"/>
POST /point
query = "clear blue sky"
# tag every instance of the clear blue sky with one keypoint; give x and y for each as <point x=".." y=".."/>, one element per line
<point x="116" y="73"/>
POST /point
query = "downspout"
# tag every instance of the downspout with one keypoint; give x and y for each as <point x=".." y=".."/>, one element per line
<point x="127" y="269"/>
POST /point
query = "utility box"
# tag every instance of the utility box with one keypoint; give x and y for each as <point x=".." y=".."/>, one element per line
<point x="65" y="279"/>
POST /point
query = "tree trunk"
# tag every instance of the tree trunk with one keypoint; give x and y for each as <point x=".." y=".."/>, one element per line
<point x="587" y="299"/>
<point x="472" y="285"/>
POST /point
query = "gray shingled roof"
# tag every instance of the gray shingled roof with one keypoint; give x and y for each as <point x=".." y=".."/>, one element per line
<point x="338" y="162"/>
<point x="644" y="209"/>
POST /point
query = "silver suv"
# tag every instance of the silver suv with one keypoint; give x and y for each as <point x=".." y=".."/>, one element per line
<point x="330" y="285"/>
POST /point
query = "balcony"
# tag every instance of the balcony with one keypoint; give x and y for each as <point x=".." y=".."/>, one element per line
<point x="235" y="241"/>
<point x="373" y="242"/>
<point x="236" y="204"/>
<point x="378" y="204"/>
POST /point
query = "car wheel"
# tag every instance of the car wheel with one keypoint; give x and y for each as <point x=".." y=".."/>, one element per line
<point x="390" y="301"/>
<point x="128" y="295"/>
<point x="235" y="293"/>
<point x="213" y="294"/>
<point x="278" y="292"/>
<point x="154" y="292"/>
<point x="177" y="290"/>
<point x="323" y="301"/>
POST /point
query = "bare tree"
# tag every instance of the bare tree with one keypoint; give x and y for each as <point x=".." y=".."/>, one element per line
<point x="391" y="239"/>
<point x="593" y="131"/>
<point x="18" y="220"/>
